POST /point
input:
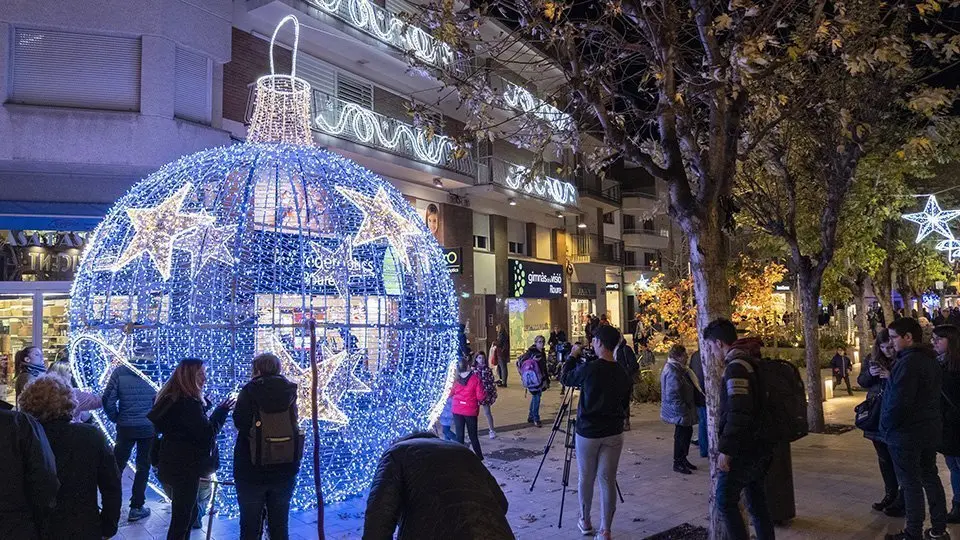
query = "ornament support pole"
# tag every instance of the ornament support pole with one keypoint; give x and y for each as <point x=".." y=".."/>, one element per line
<point x="312" y="326"/>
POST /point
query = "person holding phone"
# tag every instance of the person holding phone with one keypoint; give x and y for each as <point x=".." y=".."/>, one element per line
<point x="874" y="379"/>
<point x="187" y="445"/>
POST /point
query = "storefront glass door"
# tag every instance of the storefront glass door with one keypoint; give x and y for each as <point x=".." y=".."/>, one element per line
<point x="16" y="332"/>
<point x="54" y="326"/>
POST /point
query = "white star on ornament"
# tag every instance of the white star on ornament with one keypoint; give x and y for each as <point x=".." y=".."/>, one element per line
<point x="952" y="247"/>
<point x="381" y="220"/>
<point x="335" y="268"/>
<point x="158" y="228"/>
<point x="208" y="242"/>
<point x="933" y="219"/>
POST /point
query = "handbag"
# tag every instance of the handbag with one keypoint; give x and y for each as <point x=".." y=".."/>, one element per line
<point x="867" y="414"/>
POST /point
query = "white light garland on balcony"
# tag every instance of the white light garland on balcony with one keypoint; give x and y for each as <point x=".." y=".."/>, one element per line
<point x="387" y="27"/>
<point x="520" y="98"/>
<point x="370" y="128"/>
<point x="544" y="187"/>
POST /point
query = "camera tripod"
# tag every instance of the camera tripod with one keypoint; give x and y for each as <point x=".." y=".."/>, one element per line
<point x="568" y="411"/>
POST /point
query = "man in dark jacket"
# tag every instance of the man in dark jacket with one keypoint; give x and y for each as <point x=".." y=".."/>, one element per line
<point x="262" y="487"/>
<point x="911" y="425"/>
<point x="126" y="400"/>
<point x="841" y="369"/>
<point x="627" y="360"/>
<point x="434" y="489"/>
<point x="29" y="488"/>
<point x="744" y="460"/>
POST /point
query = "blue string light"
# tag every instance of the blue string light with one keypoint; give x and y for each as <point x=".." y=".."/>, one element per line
<point x="226" y="253"/>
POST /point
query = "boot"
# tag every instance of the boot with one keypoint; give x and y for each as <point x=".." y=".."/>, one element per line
<point x="887" y="501"/>
<point x="680" y="467"/>
<point x="896" y="508"/>
<point x="954" y="515"/>
<point x="689" y="465"/>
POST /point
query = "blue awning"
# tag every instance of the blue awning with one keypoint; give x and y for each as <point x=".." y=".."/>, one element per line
<point x="51" y="216"/>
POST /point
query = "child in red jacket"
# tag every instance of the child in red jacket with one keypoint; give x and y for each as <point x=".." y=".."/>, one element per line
<point x="467" y="393"/>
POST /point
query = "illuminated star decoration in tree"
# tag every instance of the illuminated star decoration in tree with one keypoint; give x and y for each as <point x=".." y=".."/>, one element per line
<point x="157" y="229"/>
<point x="952" y="247"/>
<point x="933" y="219"/>
<point x="642" y="283"/>
<point x="381" y="220"/>
<point x="208" y="242"/>
<point x="335" y="268"/>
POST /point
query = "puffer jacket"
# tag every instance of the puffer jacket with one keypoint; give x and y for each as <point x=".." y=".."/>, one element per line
<point x="678" y="404"/>
<point x="187" y="447"/>
<point x="434" y="489"/>
<point x="126" y="400"/>
<point x="467" y="393"/>
<point x="910" y="416"/>
<point x="85" y="466"/>
<point x="739" y="416"/>
<point x="272" y="394"/>
<point x="28" y="468"/>
<point x="950" y="407"/>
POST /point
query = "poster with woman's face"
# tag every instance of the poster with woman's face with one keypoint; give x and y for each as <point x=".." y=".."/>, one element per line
<point x="431" y="215"/>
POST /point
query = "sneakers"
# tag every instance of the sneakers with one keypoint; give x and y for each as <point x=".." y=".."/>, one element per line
<point x="585" y="530"/>
<point x="680" y="467"/>
<point x="888" y="499"/>
<point x="537" y="423"/>
<point x="930" y="535"/>
<point x="603" y="535"/>
<point x="197" y="523"/>
<point x="902" y="535"/>
<point x="136" y="514"/>
<point x="895" y="509"/>
<point x="493" y="434"/>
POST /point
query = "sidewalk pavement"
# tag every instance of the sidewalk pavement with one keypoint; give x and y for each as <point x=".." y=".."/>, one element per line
<point x="835" y="477"/>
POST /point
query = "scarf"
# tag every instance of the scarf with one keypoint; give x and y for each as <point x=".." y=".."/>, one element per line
<point x="32" y="369"/>
<point x="689" y="371"/>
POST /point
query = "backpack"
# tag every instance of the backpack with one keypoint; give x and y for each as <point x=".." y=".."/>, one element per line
<point x="782" y="400"/>
<point x="627" y="360"/>
<point x="530" y="373"/>
<point x="275" y="438"/>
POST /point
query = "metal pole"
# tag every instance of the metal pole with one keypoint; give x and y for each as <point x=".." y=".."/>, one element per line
<point x="312" y="326"/>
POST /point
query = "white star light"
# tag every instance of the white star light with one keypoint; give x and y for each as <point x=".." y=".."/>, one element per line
<point x="335" y="268"/>
<point x="642" y="283"/>
<point x="208" y="242"/>
<point x="156" y="230"/>
<point x="381" y="220"/>
<point x="952" y="247"/>
<point x="933" y="219"/>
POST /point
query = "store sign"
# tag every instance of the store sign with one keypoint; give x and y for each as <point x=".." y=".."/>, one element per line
<point x="454" y="257"/>
<point x="782" y="288"/>
<point x="535" y="280"/>
<point x="583" y="290"/>
<point x="39" y="263"/>
<point x="612" y="287"/>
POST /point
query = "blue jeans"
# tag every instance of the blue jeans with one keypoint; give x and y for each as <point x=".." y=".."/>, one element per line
<point x="534" y="415"/>
<point x="274" y="498"/>
<point x="917" y="472"/>
<point x="122" y="451"/>
<point x="502" y="371"/>
<point x="953" y="463"/>
<point x="746" y="475"/>
<point x="702" y="438"/>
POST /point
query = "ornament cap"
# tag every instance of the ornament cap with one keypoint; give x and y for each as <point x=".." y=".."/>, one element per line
<point x="281" y="108"/>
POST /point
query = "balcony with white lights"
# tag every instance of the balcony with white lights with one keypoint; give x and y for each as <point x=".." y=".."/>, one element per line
<point x="523" y="100"/>
<point x="518" y="181"/>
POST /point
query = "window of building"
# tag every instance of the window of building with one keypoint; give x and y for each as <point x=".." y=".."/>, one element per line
<point x="630" y="258"/>
<point x="481" y="231"/>
<point x="480" y="242"/>
<point x="515" y="248"/>
<point x="648" y="225"/>
<point x="650" y="260"/>
<point x="192" y="87"/>
<point x="608" y="218"/>
<point x="65" y="69"/>
<point x="629" y="222"/>
<point x="354" y="90"/>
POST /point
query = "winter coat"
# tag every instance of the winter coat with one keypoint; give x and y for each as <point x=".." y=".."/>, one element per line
<point x="187" y="447"/>
<point x="874" y="385"/>
<point x="678" y="404"/>
<point x="28" y="372"/>
<point x="127" y="399"/>
<point x="627" y="360"/>
<point x="950" y="409"/>
<point x="696" y="364"/>
<point x="541" y="362"/>
<point x="467" y="393"/>
<point x="446" y="415"/>
<point x="911" y="415"/>
<point x="489" y="384"/>
<point x="739" y="416"/>
<point x="272" y="394"/>
<point x="841" y="365"/>
<point x="85" y="465"/>
<point x="28" y="490"/>
<point x="434" y="489"/>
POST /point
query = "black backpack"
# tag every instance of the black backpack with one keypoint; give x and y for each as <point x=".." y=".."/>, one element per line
<point x="275" y="438"/>
<point x="782" y="400"/>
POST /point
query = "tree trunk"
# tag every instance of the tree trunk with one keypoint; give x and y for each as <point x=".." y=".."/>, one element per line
<point x="708" y="263"/>
<point x="809" y="294"/>
<point x="884" y="289"/>
<point x="863" y="322"/>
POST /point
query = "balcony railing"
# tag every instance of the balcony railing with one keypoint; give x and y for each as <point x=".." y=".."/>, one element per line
<point x="594" y="248"/>
<point x="611" y="194"/>
<point x="516" y="177"/>
<point x="345" y="120"/>
<point x="645" y="193"/>
<point x="388" y="27"/>
<point x="522" y="100"/>
<point x="665" y="233"/>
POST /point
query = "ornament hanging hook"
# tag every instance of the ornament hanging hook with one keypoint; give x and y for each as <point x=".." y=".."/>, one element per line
<point x="296" y="43"/>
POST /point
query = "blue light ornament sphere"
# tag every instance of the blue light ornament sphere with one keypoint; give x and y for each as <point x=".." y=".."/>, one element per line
<point x="228" y="253"/>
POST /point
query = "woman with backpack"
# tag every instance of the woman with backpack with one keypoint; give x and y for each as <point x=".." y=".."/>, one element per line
<point x="489" y="389"/>
<point x="186" y="449"/>
<point x="874" y="377"/>
<point x="946" y="342"/>
<point x="681" y="396"/>
<point x="467" y="393"/>
<point x="533" y="375"/>
<point x="266" y="479"/>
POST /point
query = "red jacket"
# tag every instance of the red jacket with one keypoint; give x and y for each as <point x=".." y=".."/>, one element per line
<point x="467" y="395"/>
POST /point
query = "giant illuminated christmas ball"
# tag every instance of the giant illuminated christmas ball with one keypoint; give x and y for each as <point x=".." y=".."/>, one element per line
<point x="230" y="252"/>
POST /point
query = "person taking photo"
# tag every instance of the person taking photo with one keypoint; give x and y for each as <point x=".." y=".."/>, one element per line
<point x="604" y="397"/>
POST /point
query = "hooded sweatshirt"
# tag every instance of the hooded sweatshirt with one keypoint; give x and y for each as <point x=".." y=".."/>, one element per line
<point x="272" y="394"/>
<point x="467" y="393"/>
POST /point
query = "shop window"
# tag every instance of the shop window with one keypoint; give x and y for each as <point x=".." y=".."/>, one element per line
<point x="480" y="242"/>
<point x="516" y="248"/>
<point x="608" y="218"/>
